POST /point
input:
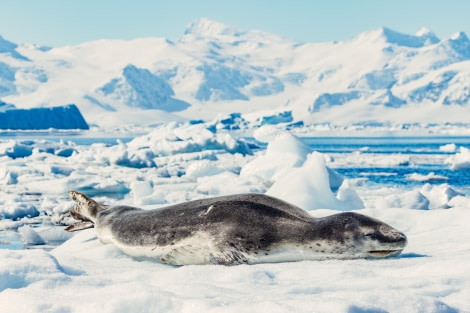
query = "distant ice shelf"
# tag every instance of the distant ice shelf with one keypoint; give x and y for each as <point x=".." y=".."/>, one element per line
<point x="61" y="117"/>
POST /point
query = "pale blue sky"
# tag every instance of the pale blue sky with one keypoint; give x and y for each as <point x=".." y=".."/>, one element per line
<point x="65" y="22"/>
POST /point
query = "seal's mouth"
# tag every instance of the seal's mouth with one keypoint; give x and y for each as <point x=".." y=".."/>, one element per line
<point x="384" y="253"/>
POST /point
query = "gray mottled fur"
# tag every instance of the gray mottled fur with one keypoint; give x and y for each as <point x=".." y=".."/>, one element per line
<point x="245" y="228"/>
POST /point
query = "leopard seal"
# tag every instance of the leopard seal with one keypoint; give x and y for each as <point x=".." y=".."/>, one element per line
<point x="235" y="229"/>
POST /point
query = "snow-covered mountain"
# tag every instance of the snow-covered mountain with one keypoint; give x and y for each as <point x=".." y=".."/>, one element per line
<point x="375" y="77"/>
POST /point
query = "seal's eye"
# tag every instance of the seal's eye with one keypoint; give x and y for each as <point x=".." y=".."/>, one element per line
<point x="370" y="235"/>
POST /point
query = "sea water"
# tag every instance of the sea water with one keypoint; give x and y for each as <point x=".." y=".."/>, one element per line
<point x="414" y="155"/>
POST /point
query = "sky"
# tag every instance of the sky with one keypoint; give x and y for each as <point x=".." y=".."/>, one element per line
<point x="58" y="23"/>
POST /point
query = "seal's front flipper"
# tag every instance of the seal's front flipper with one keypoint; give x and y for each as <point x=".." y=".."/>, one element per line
<point x="79" y="226"/>
<point x="198" y="255"/>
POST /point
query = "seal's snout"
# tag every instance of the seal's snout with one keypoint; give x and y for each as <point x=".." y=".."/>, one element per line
<point x="389" y="245"/>
<point x="384" y="241"/>
<point x="401" y="239"/>
<point x="397" y="239"/>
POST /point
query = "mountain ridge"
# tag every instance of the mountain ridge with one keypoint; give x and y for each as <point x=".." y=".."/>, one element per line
<point x="216" y="69"/>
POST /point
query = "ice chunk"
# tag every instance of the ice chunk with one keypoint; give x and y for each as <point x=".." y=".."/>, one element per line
<point x="267" y="133"/>
<point x="439" y="196"/>
<point x="141" y="189"/>
<point x="409" y="200"/>
<point x="15" y="149"/>
<point x="14" y="210"/>
<point x="308" y="187"/>
<point x="177" y="138"/>
<point x="60" y="211"/>
<point x="451" y="147"/>
<point x="283" y="153"/>
<point x="227" y="183"/>
<point x="54" y="235"/>
<point x="30" y="236"/>
<point x="429" y="177"/>
<point x="461" y="160"/>
<point x="202" y="168"/>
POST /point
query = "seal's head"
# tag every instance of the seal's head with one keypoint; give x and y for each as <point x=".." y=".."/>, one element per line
<point x="85" y="211"/>
<point x="363" y="236"/>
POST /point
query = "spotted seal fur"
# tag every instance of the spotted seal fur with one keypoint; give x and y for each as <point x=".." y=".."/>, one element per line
<point x="236" y="229"/>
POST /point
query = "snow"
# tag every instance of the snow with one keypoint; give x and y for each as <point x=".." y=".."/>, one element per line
<point x="177" y="162"/>
<point x="194" y="103"/>
<point x="214" y="69"/>
<point x="139" y="88"/>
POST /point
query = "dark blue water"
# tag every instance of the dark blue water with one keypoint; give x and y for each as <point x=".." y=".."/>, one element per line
<point x="425" y="147"/>
<point x="408" y="145"/>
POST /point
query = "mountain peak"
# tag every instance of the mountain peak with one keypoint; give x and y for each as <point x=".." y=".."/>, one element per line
<point x="424" y="31"/>
<point x="459" y="36"/>
<point x="7" y="46"/>
<point x="428" y="36"/>
<point x="10" y="47"/>
<point x="205" y="27"/>
<point x="459" y="43"/>
<point x="423" y="38"/>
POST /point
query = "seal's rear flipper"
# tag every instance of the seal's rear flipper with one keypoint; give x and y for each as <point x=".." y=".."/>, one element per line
<point x="79" y="226"/>
<point x="81" y="198"/>
<point x="86" y="208"/>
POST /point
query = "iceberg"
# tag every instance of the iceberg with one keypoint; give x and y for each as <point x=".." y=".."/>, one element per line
<point x="62" y="117"/>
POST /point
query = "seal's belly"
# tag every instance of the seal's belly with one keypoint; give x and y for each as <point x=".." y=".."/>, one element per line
<point x="203" y="248"/>
<point x="196" y="249"/>
<point x="295" y="253"/>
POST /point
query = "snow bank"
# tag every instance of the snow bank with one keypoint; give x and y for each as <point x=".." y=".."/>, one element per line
<point x="423" y="198"/>
<point x="84" y="268"/>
